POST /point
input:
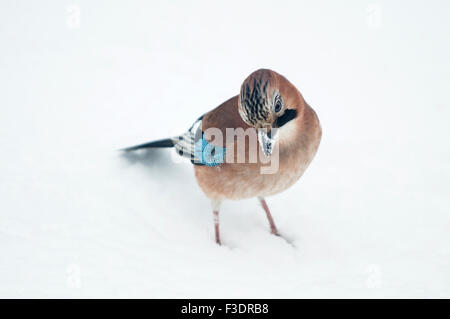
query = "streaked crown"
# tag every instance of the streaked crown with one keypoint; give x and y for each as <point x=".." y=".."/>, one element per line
<point x="256" y="98"/>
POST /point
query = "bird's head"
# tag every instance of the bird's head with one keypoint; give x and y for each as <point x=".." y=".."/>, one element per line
<point x="267" y="102"/>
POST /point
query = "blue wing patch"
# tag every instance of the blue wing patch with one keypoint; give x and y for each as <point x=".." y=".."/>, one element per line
<point x="207" y="154"/>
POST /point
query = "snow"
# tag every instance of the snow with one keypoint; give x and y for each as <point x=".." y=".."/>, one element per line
<point x="370" y="217"/>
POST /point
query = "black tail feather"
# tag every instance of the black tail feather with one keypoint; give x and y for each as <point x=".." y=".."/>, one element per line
<point x="167" y="142"/>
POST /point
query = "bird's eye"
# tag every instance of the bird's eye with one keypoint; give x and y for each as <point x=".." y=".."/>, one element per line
<point x="278" y="106"/>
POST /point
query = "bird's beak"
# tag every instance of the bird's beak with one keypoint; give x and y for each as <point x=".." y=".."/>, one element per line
<point x="267" y="139"/>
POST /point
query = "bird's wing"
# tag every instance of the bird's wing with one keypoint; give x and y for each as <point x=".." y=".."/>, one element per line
<point x="196" y="147"/>
<point x="224" y="116"/>
<point x="185" y="143"/>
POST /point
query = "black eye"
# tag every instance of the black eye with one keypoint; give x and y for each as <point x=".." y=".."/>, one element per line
<point x="278" y="106"/>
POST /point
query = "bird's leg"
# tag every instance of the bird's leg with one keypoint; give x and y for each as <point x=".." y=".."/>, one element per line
<point x="273" y="228"/>
<point x="216" y="227"/>
<point x="216" y="207"/>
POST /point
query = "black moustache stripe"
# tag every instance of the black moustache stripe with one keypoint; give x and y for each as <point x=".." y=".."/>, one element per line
<point x="286" y="117"/>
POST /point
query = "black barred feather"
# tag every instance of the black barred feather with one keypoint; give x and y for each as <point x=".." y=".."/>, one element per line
<point x="183" y="144"/>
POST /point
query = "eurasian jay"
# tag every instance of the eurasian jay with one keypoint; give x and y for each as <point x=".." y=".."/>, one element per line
<point x="232" y="165"/>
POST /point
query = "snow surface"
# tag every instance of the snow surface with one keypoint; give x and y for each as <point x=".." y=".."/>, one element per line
<point x="370" y="217"/>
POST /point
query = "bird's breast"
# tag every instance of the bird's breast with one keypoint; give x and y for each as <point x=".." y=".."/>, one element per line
<point x="238" y="180"/>
<point x="246" y="180"/>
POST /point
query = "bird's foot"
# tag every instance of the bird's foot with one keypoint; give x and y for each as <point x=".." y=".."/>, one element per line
<point x="288" y="240"/>
<point x="275" y="232"/>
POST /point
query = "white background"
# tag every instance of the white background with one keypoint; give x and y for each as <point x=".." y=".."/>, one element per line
<point x="370" y="217"/>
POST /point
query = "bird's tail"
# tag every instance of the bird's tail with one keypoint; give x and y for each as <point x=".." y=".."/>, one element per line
<point x="167" y="142"/>
<point x="184" y="144"/>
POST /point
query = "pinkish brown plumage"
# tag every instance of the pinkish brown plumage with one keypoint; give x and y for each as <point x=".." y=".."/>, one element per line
<point x="271" y="108"/>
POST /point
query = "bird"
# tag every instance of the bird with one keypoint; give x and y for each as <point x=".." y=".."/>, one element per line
<point x="256" y="144"/>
